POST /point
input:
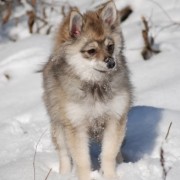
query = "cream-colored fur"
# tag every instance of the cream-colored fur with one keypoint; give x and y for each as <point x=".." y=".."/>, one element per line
<point x="90" y="110"/>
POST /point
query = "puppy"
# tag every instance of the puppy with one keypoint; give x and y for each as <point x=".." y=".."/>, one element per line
<point x="87" y="90"/>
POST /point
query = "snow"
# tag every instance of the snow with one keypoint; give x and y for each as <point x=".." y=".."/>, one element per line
<point x="24" y="124"/>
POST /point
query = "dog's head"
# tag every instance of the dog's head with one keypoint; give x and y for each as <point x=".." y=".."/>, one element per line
<point x="91" y="42"/>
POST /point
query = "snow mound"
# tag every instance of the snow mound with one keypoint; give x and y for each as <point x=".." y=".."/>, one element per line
<point x="24" y="124"/>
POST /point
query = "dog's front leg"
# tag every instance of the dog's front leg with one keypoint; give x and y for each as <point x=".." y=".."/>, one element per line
<point x="60" y="141"/>
<point x="77" y="140"/>
<point x="113" y="136"/>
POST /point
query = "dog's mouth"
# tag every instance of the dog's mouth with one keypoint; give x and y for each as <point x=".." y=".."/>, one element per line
<point x="99" y="70"/>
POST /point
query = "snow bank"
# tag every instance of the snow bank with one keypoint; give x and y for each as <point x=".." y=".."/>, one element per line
<point x="24" y="121"/>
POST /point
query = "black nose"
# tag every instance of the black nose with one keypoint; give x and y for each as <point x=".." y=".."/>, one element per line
<point x="110" y="62"/>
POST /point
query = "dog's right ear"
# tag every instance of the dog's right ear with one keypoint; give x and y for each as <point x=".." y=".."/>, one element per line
<point x="75" y="24"/>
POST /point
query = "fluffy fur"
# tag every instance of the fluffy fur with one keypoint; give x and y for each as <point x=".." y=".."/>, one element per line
<point x="87" y="90"/>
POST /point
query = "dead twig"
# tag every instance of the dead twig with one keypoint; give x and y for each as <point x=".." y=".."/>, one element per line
<point x="8" y="13"/>
<point x="164" y="11"/>
<point x="48" y="174"/>
<point x="49" y="29"/>
<point x="162" y="161"/>
<point x="8" y="77"/>
<point x="125" y="13"/>
<point x="162" y="158"/>
<point x="31" y="20"/>
<point x="148" y="50"/>
<point x="41" y="19"/>
<point x="168" y="131"/>
<point x="63" y="11"/>
<point x="164" y="28"/>
<point x="35" y="152"/>
<point x="173" y="23"/>
<point x="44" y="12"/>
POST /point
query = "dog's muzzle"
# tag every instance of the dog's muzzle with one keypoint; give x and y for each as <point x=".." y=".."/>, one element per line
<point x="110" y="62"/>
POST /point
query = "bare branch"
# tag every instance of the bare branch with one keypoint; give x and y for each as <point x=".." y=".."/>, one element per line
<point x="148" y="49"/>
<point x="162" y="159"/>
<point x="48" y="174"/>
<point x="63" y="11"/>
<point x="173" y="23"/>
<point x="168" y="131"/>
<point x="8" y="13"/>
<point x="49" y="29"/>
<point x="35" y="152"/>
<point x="31" y="20"/>
<point x="125" y="13"/>
<point x="167" y="15"/>
<point x="8" y="77"/>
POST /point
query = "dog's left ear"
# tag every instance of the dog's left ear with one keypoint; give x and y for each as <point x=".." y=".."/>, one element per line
<point x="75" y="24"/>
<point x="109" y="13"/>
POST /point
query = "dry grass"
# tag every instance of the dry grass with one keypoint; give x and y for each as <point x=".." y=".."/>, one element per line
<point x="165" y="171"/>
<point x="35" y="152"/>
<point x="148" y="50"/>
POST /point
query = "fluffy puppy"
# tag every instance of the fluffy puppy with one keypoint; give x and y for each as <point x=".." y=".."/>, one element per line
<point x="87" y="90"/>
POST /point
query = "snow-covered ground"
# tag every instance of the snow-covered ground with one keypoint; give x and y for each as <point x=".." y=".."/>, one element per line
<point x="24" y="124"/>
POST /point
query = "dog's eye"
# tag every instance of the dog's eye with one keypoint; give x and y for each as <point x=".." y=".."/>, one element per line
<point x="110" y="48"/>
<point x="91" y="52"/>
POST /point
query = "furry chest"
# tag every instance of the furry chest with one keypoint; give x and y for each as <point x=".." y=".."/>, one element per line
<point x="88" y="111"/>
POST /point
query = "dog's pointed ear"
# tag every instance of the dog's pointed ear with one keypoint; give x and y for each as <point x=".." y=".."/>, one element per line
<point x="109" y="13"/>
<point x="75" y="24"/>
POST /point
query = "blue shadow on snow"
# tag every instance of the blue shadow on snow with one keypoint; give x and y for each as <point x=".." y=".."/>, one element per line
<point x="142" y="131"/>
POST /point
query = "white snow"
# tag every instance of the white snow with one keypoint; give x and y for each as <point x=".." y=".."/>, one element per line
<point x="24" y="124"/>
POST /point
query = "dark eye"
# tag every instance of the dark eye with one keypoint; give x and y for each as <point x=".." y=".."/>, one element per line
<point x="110" y="48"/>
<point x="91" y="52"/>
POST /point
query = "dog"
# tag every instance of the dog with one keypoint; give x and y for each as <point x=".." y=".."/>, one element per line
<point x="87" y="90"/>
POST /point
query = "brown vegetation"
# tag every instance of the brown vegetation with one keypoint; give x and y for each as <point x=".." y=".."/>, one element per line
<point x="148" y="49"/>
